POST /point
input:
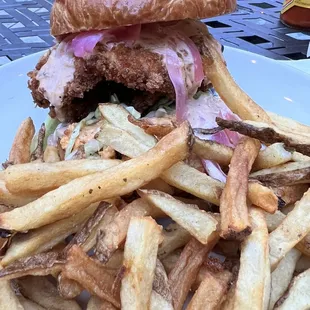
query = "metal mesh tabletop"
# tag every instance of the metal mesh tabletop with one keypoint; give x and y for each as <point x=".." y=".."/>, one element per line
<point x="255" y="27"/>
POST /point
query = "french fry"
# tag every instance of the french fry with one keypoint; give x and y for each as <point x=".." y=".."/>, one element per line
<point x="170" y="260"/>
<point x="161" y="298"/>
<point x="228" y="303"/>
<point x="116" y="181"/>
<point x="194" y="182"/>
<point x="37" y="265"/>
<point x="121" y="141"/>
<point x="299" y="157"/>
<point x="20" y="151"/>
<point x="235" y="98"/>
<point x="96" y="303"/>
<point x="155" y="126"/>
<point x="275" y="220"/>
<point x="45" y="238"/>
<point x="289" y="124"/>
<point x="114" y="234"/>
<point x="287" y="174"/>
<point x="35" y="179"/>
<point x="292" y="230"/>
<point x="8" y="298"/>
<point x="44" y="293"/>
<point x="264" y="197"/>
<point x="273" y="155"/>
<point x="91" y="275"/>
<point x="118" y="116"/>
<point x="15" y="200"/>
<point x="106" y="220"/>
<point x="185" y="271"/>
<point x="68" y="288"/>
<point x="201" y="185"/>
<point x="140" y="262"/>
<point x="51" y="154"/>
<point x="159" y="185"/>
<point x="292" y="193"/>
<point x="251" y="288"/>
<point x="268" y="133"/>
<point x="211" y="292"/>
<point x="175" y="236"/>
<point x="235" y="223"/>
<point x="282" y="276"/>
<point x="212" y="150"/>
<point x="88" y="227"/>
<point x="28" y="304"/>
<point x="197" y="222"/>
<point x="298" y="296"/>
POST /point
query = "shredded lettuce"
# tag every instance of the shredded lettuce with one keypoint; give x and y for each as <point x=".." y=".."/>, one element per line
<point x="50" y="127"/>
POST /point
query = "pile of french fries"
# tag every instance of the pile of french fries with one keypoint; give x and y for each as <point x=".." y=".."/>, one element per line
<point x="146" y="229"/>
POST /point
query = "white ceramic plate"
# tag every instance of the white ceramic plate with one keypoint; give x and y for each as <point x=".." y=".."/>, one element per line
<point x="275" y="86"/>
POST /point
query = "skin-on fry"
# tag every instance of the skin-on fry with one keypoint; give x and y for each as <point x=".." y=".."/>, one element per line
<point x="185" y="271"/>
<point x="273" y="155"/>
<point x="46" y="237"/>
<point x="289" y="124"/>
<point x="91" y="275"/>
<point x="282" y="276"/>
<point x="91" y="240"/>
<point x="235" y="223"/>
<point x="43" y="292"/>
<point x="96" y="303"/>
<point x="40" y="265"/>
<point x="118" y="116"/>
<point x="251" y="288"/>
<point x="197" y="222"/>
<point x="8" y="298"/>
<point x="39" y="178"/>
<point x="140" y="262"/>
<point x="20" y="151"/>
<point x="116" y="181"/>
<point x="155" y="126"/>
<point x="211" y="292"/>
<point x="83" y="234"/>
<point x="114" y="234"/>
<point x="287" y="174"/>
<point x="37" y="154"/>
<point x="235" y="98"/>
<point x="161" y="298"/>
<point x="68" y="288"/>
<point x="298" y="296"/>
<point x="292" y="230"/>
<point x="175" y="236"/>
<point x="292" y="193"/>
<point x="15" y="200"/>
<point x="268" y="133"/>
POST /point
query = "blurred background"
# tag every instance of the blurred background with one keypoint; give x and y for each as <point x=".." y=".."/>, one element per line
<point x="254" y="27"/>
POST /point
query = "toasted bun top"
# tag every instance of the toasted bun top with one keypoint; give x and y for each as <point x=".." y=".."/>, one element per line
<point x="71" y="16"/>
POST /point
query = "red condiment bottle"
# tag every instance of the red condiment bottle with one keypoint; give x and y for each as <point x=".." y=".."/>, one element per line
<point x="296" y="14"/>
